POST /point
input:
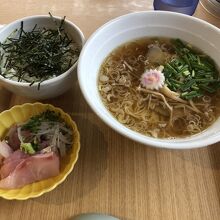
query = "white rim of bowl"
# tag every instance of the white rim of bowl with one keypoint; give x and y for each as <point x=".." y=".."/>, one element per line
<point x="143" y="139"/>
<point x="48" y="81"/>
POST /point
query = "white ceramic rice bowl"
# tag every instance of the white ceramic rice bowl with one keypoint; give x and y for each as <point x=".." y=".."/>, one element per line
<point x="54" y="86"/>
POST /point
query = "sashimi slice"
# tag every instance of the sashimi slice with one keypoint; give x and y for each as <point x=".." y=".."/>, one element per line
<point x="11" y="163"/>
<point x="5" y="149"/>
<point x="13" y="139"/>
<point x="32" y="169"/>
<point x="16" y="155"/>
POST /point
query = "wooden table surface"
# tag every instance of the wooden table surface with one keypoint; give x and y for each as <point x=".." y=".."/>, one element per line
<point x="115" y="175"/>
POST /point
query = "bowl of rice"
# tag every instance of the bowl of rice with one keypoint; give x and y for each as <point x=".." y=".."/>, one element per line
<point x="39" y="55"/>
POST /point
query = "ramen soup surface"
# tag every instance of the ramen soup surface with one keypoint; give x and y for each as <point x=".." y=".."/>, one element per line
<point x="160" y="87"/>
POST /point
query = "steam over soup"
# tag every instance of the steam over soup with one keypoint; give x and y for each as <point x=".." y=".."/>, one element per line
<point x="161" y="87"/>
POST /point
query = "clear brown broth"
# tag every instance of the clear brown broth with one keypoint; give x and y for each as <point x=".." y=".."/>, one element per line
<point x="152" y="122"/>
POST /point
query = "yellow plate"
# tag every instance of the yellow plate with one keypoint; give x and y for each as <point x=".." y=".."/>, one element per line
<point x="21" y="113"/>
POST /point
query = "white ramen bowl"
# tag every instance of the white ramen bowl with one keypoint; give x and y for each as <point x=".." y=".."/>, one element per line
<point x="137" y="25"/>
<point x="51" y="87"/>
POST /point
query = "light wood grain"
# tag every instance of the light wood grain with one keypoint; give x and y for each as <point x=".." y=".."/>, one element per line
<point x="115" y="175"/>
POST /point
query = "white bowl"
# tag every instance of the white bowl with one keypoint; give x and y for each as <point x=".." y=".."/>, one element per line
<point x="52" y="87"/>
<point x="136" y="25"/>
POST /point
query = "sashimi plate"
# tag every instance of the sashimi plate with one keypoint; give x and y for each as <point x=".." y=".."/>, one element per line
<point x="21" y="113"/>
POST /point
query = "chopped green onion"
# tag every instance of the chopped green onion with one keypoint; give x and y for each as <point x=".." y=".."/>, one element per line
<point x="186" y="73"/>
<point x="191" y="74"/>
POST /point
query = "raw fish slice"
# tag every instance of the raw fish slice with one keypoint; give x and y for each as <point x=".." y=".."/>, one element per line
<point x="13" y="139"/>
<point x="8" y="168"/>
<point x="32" y="169"/>
<point x="11" y="162"/>
<point x="16" y="155"/>
<point x="5" y="149"/>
